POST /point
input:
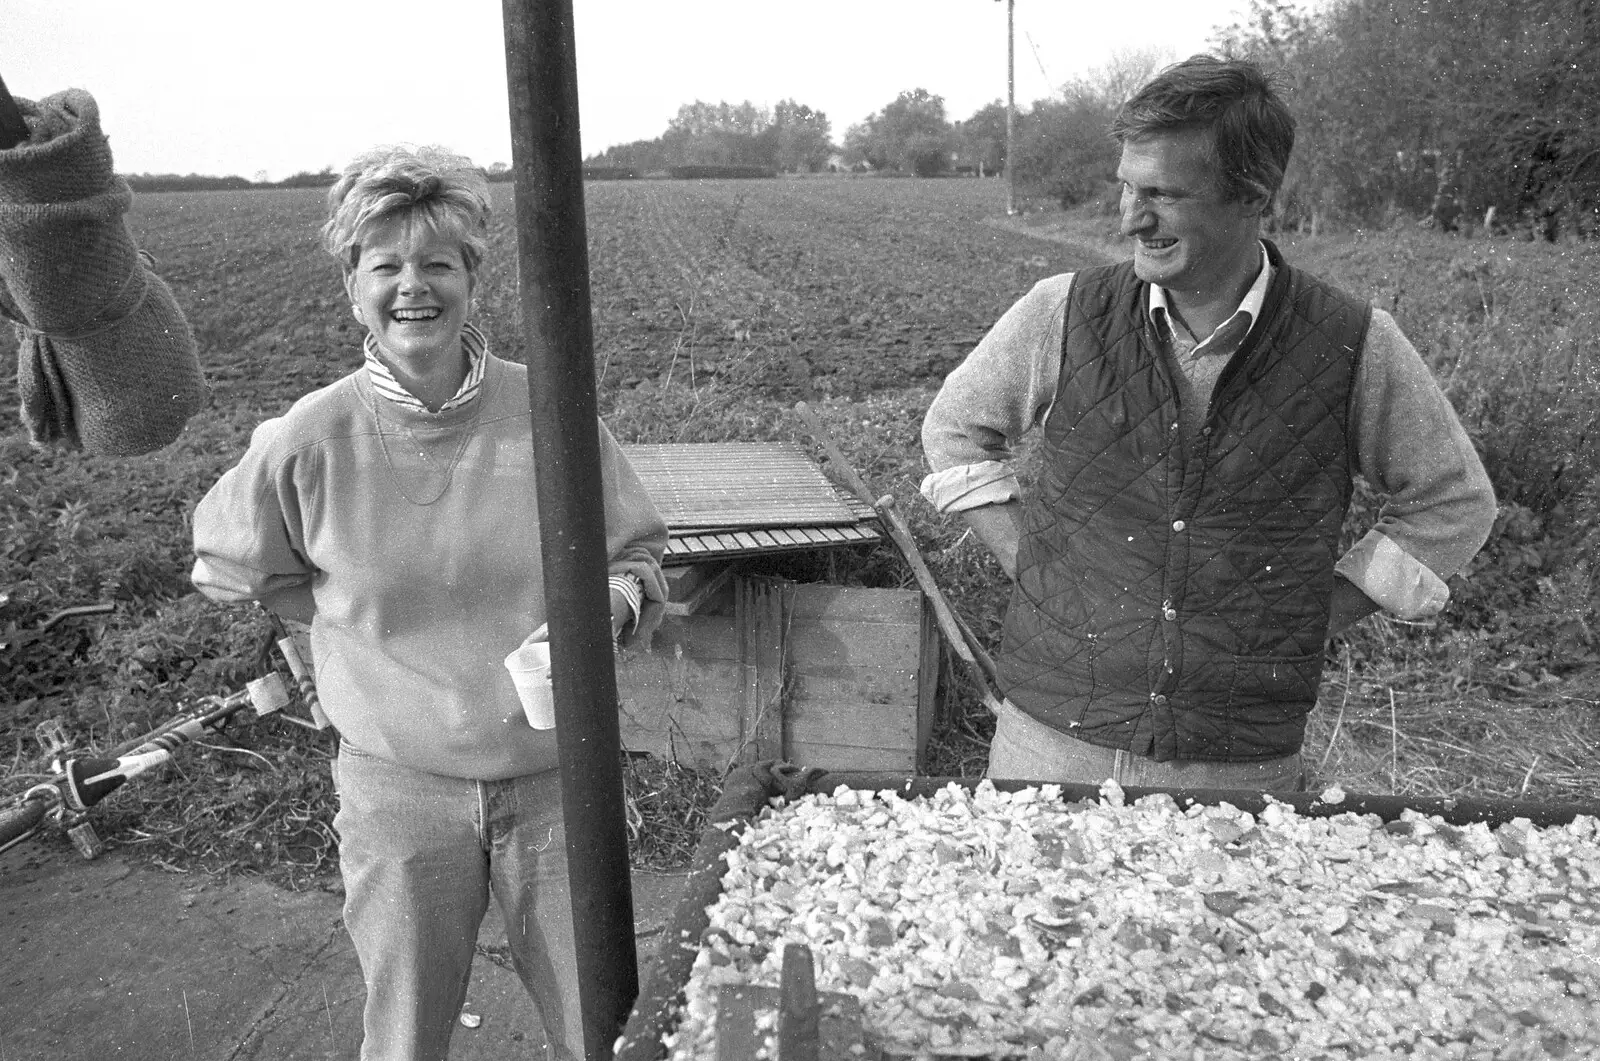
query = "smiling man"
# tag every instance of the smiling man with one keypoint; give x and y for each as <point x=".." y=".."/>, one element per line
<point x="1199" y="413"/>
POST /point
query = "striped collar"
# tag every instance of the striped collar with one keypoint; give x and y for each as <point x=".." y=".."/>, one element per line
<point x="1230" y="332"/>
<point x="384" y="383"/>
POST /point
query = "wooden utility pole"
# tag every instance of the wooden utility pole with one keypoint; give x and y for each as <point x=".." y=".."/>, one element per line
<point x="553" y="267"/>
<point x="1011" y="107"/>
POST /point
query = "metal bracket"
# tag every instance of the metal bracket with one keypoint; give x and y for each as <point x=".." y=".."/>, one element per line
<point x="52" y="737"/>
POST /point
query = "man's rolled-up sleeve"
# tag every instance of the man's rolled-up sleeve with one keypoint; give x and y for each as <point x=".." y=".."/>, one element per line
<point x="1001" y="391"/>
<point x="1411" y="446"/>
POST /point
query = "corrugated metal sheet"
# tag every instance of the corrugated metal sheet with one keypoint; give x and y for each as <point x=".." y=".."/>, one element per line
<point x="726" y="499"/>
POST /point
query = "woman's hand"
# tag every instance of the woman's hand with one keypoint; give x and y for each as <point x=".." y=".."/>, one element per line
<point x="621" y="616"/>
<point x="621" y="613"/>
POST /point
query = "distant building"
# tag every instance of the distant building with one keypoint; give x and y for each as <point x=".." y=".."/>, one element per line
<point x="837" y="163"/>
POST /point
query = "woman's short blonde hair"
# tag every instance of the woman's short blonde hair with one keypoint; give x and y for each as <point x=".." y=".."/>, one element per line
<point x="429" y="184"/>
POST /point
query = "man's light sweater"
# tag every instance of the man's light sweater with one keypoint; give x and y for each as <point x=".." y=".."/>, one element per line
<point x="410" y="541"/>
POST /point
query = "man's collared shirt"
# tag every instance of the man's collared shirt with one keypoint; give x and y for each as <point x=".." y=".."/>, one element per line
<point x="1230" y="334"/>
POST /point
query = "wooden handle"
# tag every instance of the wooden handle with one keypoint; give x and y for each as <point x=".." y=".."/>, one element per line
<point x="954" y="627"/>
<point x="820" y="433"/>
<point x="799" y="1013"/>
<point x="13" y="130"/>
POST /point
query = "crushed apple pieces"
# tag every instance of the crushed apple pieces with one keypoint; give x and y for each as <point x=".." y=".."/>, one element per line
<point x="979" y="923"/>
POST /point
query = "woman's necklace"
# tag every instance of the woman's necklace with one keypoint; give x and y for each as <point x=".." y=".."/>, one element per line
<point x="467" y="431"/>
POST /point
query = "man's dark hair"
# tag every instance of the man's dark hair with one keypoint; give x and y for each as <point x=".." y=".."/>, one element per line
<point x="1252" y="131"/>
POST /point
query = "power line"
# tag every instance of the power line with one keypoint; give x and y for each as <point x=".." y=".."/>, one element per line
<point x="1045" y="73"/>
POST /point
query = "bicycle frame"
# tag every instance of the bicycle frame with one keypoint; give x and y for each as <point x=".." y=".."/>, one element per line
<point x="79" y="783"/>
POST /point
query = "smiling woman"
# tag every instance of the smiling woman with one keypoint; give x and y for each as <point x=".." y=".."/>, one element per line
<point x="409" y="229"/>
<point x="392" y="511"/>
<point x="413" y="291"/>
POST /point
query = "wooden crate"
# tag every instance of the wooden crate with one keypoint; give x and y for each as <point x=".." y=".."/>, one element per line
<point x="750" y="668"/>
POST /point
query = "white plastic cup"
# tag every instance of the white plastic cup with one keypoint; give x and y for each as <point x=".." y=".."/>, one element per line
<point x="529" y="666"/>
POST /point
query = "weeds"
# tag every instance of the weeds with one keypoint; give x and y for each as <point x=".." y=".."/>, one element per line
<point x="666" y="804"/>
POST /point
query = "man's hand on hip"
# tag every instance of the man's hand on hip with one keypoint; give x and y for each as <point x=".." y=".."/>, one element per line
<point x="1349" y="606"/>
<point x="999" y="527"/>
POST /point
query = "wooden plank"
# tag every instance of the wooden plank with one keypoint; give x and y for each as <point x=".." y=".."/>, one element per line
<point x="685" y="696"/>
<point x="835" y="647"/>
<point x="861" y="673"/>
<point x="799" y="1014"/>
<point x="847" y="757"/>
<point x="688" y="696"/>
<point x="870" y="685"/>
<point x="840" y="1030"/>
<point x="688" y="546"/>
<point x="705" y="596"/>
<point x="863" y="725"/>
<point x="817" y="601"/>
<point x="702" y="698"/>
<point x="929" y="667"/>
<point x="683" y="580"/>
<point x="710" y="634"/>
<point x="704" y="752"/>
<point x="761" y="612"/>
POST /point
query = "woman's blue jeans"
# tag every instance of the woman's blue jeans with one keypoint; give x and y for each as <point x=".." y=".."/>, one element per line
<point x="1026" y="749"/>
<point x="420" y="855"/>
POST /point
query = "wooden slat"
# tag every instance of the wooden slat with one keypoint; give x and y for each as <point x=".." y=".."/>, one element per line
<point x="737" y="484"/>
<point x="761" y="612"/>
<point x="857" y="604"/>
<point x="799" y="1027"/>
<point x="682" y="547"/>
<point x="861" y="724"/>
<point x="893" y="683"/>
<point x="849" y="757"/>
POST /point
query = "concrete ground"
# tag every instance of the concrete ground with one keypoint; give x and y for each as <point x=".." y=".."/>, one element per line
<point x="111" y="960"/>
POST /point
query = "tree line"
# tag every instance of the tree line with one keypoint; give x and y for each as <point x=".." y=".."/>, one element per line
<point x="1446" y="108"/>
<point x="1460" y="112"/>
<point x="1463" y="113"/>
<point x="197" y="182"/>
<point x="790" y="137"/>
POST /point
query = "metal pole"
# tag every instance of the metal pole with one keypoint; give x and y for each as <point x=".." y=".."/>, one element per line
<point x="553" y="261"/>
<point x="1011" y="107"/>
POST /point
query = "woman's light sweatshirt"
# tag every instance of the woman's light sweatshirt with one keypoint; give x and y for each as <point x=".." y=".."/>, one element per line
<point x="410" y="542"/>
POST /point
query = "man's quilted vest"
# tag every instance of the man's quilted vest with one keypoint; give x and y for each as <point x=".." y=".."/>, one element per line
<point x="1172" y="594"/>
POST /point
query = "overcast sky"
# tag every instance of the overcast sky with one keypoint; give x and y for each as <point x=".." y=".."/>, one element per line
<point x="221" y="87"/>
